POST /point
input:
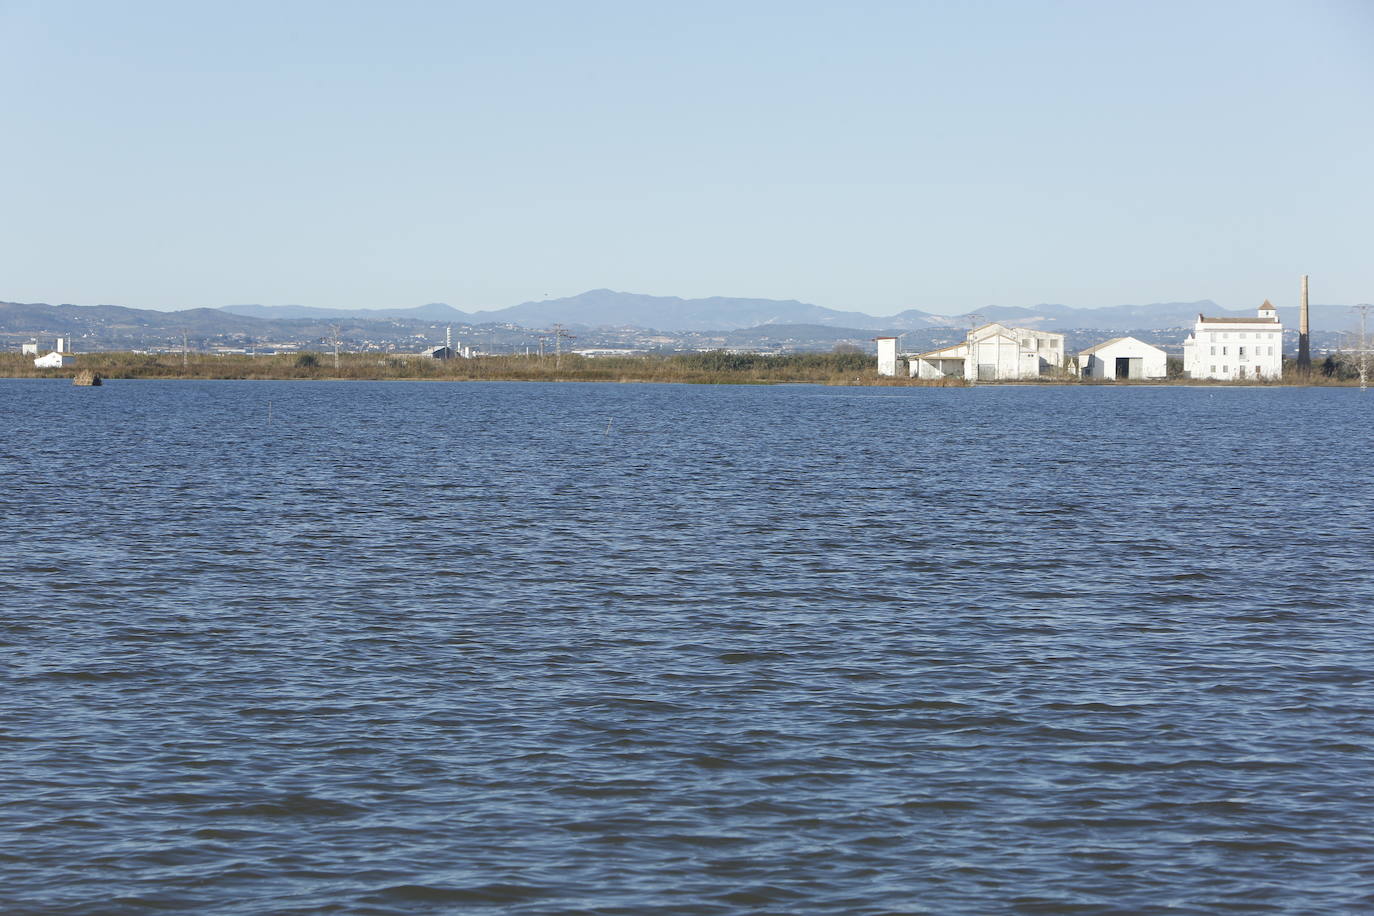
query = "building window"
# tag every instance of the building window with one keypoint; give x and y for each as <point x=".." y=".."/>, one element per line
<point x="1214" y="370"/>
<point x="1240" y="351"/>
<point x="1214" y="352"/>
<point x="1223" y="351"/>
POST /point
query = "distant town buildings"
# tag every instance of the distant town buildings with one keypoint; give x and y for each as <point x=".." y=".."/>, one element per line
<point x="1123" y="358"/>
<point x="1236" y="348"/>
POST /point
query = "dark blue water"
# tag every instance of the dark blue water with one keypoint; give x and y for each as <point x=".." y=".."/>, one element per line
<point x="662" y="649"/>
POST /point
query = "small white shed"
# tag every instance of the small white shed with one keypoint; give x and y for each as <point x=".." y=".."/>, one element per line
<point x="1123" y="358"/>
<point x="55" y="360"/>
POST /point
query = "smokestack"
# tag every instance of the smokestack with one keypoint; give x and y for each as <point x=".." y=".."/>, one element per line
<point x="1304" y="345"/>
<point x="448" y="336"/>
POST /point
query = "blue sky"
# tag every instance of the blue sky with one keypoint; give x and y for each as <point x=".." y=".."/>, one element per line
<point x="869" y="156"/>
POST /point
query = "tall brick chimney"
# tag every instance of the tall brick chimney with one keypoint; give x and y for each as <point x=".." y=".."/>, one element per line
<point x="1304" y="343"/>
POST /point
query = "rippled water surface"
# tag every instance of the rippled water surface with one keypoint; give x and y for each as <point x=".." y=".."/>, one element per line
<point x="664" y="649"/>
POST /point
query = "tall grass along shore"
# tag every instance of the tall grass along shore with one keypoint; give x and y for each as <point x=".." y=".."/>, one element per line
<point x="712" y="368"/>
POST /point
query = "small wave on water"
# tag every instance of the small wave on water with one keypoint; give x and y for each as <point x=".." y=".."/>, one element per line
<point x="756" y="650"/>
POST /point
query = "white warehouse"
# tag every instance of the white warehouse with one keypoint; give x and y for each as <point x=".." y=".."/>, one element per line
<point x="1236" y="348"/>
<point x="993" y="352"/>
<point x="1123" y="358"/>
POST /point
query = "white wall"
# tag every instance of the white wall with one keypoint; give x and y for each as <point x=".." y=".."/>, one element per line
<point x="1228" y="353"/>
<point x="887" y="356"/>
<point x="1102" y="363"/>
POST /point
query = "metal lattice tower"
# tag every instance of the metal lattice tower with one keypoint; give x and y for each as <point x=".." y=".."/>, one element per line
<point x="1363" y="349"/>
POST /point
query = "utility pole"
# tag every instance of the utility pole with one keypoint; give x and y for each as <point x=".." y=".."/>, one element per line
<point x="185" y="345"/>
<point x="560" y="335"/>
<point x="334" y="331"/>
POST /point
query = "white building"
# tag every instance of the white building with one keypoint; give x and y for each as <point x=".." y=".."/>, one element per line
<point x="887" y="355"/>
<point x="1123" y="358"/>
<point x="1236" y="348"/>
<point x="55" y="360"/>
<point x="29" y="349"/>
<point x="993" y="352"/>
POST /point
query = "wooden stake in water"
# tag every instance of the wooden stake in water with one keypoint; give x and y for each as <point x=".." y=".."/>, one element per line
<point x="269" y="413"/>
<point x="608" y="425"/>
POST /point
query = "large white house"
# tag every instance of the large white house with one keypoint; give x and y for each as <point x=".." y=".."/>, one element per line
<point x="993" y="352"/>
<point x="1236" y="348"/>
<point x="1123" y="358"/>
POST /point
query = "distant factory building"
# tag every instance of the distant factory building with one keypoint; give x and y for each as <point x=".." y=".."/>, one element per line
<point x="993" y="353"/>
<point x="29" y="349"/>
<point x="1123" y="358"/>
<point x="447" y="351"/>
<point x="1236" y="348"/>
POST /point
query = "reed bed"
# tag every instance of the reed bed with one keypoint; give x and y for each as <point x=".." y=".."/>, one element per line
<point x="713" y="368"/>
<point x="690" y="368"/>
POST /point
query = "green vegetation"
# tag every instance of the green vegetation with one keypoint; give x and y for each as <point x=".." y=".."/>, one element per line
<point x="714" y="368"/>
<point x="711" y="368"/>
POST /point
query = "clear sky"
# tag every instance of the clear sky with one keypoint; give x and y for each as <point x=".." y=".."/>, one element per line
<point x="869" y="156"/>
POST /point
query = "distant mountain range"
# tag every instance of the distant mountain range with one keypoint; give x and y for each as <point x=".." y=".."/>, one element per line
<point x="603" y="308"/>
<point x="599" y="318"/>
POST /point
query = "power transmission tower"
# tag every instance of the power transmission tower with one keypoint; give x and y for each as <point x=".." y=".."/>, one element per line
<point x="334" y="336"/>
<point x="560" y="335"/>
<point x="1363" y="348"/>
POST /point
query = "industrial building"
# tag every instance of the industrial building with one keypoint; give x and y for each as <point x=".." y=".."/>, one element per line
<point x="1123" y="358"/>
<point x="1230" y="349"/>
<point x="447" y="351"/>
<point x="57" y="359"/>
<point x="992" y="352"/>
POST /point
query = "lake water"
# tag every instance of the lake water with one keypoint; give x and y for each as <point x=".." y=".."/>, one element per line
<point x="639" y="649"/>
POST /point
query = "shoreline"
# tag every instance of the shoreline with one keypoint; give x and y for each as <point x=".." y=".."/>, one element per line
<point x="712" y="368"/>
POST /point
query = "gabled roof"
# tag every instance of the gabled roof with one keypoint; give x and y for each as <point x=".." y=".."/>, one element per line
<point x="943" y="352"/>
<point x="1239" y="320"/>
<point x="1116" y="340"/>
<point x="1105" y="343"/>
